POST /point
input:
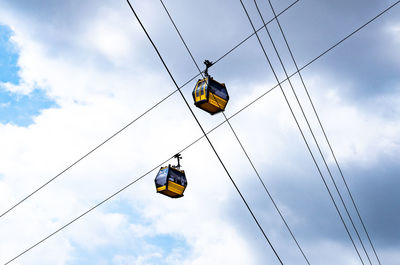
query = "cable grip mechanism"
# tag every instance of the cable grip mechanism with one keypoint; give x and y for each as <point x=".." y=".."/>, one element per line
<point x="208" y="65"/>
<point x="178" y="157"/>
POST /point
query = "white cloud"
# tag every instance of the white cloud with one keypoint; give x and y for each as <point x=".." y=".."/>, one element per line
<point x="394" y="31"/>
<point x="108" y="34"/>
<point x="359" y="131"/>
<point x="99" y="89"/>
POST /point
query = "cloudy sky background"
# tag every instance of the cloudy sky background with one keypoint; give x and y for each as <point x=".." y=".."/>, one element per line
<point x="74" y="72"/>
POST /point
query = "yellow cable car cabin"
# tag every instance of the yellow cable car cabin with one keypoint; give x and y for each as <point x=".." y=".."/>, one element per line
<point x="210" y="95"/>
<point x="171" y="181"/>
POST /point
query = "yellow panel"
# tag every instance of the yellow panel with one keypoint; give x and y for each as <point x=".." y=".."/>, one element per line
<point x="170" y="193"/>
<point x="209" y="107"/>
<point x="172" y="186"/>
<point x="196" y="97"/>
<point x="173" y="190"/>
<point x="217" y="101"/>
<point x="161" y="188"/>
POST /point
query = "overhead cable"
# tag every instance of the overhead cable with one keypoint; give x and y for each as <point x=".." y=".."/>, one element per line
<point x="133" y="182"/>
<point x="238" y="140"/>
<point x="214" y="128"/>
<point x="132" y="122"/>
<point x="312" y="133"/>
<point x="301" y="131"/>
<point x="323" y="130"/>
<point x="201" y="128"/>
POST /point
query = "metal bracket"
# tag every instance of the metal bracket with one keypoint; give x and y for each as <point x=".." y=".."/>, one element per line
<point x="179" y="157"/>
<point x="208" y="65"/>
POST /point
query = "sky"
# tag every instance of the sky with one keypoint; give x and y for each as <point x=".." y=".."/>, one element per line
<point x="72" y="73"/>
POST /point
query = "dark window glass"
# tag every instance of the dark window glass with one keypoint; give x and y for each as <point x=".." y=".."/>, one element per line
<point x="183" y="182"/>
<point x="218" y="89"/>
<point x="161" y="178"/>
<point x="177" y="177"/>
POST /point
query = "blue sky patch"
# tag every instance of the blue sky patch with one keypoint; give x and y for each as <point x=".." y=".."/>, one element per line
<point x="16" y="108"/>
<point x="156" y="248"/>
<point x="8" y="57"/>
<point x="21" y="109"/>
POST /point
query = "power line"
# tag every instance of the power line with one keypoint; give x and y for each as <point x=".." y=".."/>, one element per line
<point x="301" y="131"/>
<point x="133" y="121"/>
<point x="86" y="155"/>
<point x="317" y="57"/>
<point x="105" y="200"/>
<point x="322" y="127"/>
<point x="349" y="35"/>
<point x="312" y="133"/>
<point x="252" y="34"/>
<point x="237" y="138"/>
<point x="220" y="124"/>
<point x="133" y="182"/>
<point x="201" y="128"/>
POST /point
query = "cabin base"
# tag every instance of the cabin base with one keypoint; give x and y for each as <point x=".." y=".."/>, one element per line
<point x="172" y="190"/>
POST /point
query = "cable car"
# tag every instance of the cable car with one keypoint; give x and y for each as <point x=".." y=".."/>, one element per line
<point x="171" y="180"/>
<point x="210" y="95"/>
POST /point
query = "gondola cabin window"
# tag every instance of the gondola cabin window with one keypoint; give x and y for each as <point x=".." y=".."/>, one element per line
<point x="161" y="178"/>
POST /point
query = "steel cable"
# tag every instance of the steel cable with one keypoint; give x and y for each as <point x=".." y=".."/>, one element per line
<point x="301" y="132"/>
<point x="312" y="133"/>
<point x="130" y="123"/>
<point x="322" y="127"/>
<point x="238" y="140"/>
<point x="235" y="114"/>
<point x="208" y="140"/>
